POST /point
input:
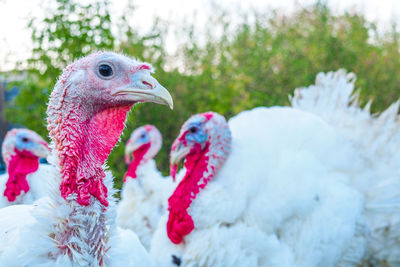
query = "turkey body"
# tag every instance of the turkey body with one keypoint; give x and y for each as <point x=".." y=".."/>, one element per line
<point x="376" y="137"/>
<point x="144" y="201"/>
<point x="145" y="191"/>
<point x="281" y="198"/>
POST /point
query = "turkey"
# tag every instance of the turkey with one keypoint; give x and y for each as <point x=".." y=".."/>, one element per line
<point x="75" y="225"/>
<point x="269" y="188"/>
<point x="145" y="191"/>
<point x="377" y="137"/>
<point x="26" y="179"/>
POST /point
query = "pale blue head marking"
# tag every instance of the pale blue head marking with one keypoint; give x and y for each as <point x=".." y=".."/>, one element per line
<point x="143" y="138"/>
<point x="24" y="141"/>
<point x="196" y="133"/>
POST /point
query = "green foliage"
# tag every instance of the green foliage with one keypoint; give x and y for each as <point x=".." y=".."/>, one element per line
<point x="258" y="62"/>
<point x="30" y="106"/>
<point x="70" y="30"/>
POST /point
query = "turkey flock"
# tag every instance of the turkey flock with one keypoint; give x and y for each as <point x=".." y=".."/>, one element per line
<point x="316" y="183"/>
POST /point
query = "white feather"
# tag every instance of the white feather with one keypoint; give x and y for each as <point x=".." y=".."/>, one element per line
<point x="377" y="139"/>
<point x="144" y="201"/>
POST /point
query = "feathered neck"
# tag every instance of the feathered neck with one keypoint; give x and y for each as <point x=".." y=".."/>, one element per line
<point x="82" y="136"/>
<point x="20" y="165"/>
<point x="201" y="165"/>
<point x="82" y="233"/>
<point x="138" y="159"/>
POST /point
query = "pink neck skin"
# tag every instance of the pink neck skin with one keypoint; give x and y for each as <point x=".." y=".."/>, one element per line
<point x="83" y="145"/>
<point x="21" y="164"/>
<point x="138" y="155"/>
<point x="180" y="223"/>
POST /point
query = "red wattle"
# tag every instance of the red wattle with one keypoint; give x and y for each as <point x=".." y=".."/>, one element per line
<point x="138" y="155"/>
<point x="83" y="149"/>
<point x="180" y="223"/>
<point x="21" y="164"/>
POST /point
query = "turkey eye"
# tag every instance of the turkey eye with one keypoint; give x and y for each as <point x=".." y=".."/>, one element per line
<point x="105" y="70"/>
<point x="25" y="140"/>
<point x="143" y="136"/>
<point x="193" y="129"/>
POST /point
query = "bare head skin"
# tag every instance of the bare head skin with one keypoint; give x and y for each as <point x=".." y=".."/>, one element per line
<point x="147" y="134"/>
<point x="143" y="145"/>
<point x="23" y="140"/>
<point x="86" y="116"/>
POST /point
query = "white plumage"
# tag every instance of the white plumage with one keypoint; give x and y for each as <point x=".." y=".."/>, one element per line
<point x="281" y="198"/>
<point x="144" y="202"/>
<point x="377" y="138"/>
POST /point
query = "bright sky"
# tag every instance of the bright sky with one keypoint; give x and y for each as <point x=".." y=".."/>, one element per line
<point x="15" y="41"/>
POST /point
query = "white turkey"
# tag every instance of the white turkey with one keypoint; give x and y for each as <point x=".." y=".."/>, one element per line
<point x="26" y="180"/>
<point x="145" y="191"/>
<point x="377" y="138"/>
<point x="75" y="225"/>
<point x="269" y="188"/>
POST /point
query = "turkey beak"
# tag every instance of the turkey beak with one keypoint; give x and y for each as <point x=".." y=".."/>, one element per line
<point x="154" y="92"/>
<point x="177" y="154"/>
<point x="128" y="152"/>
<point x="42" y="150"/>
<point x="130" y="147"/>
<point x="158" y="95"/>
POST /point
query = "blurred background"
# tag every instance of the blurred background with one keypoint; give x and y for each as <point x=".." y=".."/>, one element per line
<point x="225" y="56"/>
